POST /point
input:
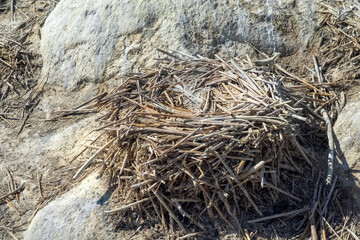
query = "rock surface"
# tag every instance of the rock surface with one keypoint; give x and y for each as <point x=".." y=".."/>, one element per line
<point x="347" y="132"/>
<point x="73" y="215"/>
<point x="46" y="145"/>
<point x="82" y="40"/>
<point x="43" y="148"/>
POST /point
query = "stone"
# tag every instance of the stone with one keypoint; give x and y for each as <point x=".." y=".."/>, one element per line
<point x="77" y="214"/>
<point x="347" y="139"/>
<point x="347" y="132"/>
<point x="45" y="145"/>
<point x="43" y="148"/>
<point x="86" y="41"/>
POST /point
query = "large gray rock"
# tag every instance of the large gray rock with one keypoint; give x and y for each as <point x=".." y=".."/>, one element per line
<point x="82" y="40"/>
<point x="43" y="148"/>
<point x="78" y="214"/>
<point x="347" y="132"/>
<point x="45" y="145"/>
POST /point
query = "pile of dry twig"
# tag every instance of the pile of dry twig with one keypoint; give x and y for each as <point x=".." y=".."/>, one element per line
<point x="19" y="65"/>
<point x="213" y="143"/>
<point x="15" y="69"/>
<point x="341" y="52"/>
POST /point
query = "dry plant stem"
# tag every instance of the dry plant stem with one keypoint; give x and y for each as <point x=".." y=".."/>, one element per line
<point x="7" y="121"/>
<point x="10" y="180"/>
<point x="352" y="234"/>
<point x="11" y="193"/>
<point x="322" y="231"/>
<point x="286" y="214"/>
<point x="27" y="116"/>
<point x="297" y="144"/>
<point x="10" y="233"/>
<point x="101" y="95"/>
<point x="84" y="149"/>
<point x="331" y="228"/>
<point x="313" y="228"/>
<point x="252" y="170"/>
<point x="282" y="191"/>
<point x="12" y="206"/>
<point x="295" y="77"/>
<point x="330" y="136"/>
<point x="39" y="178"/>
<point x="190" y="235"/>
<point x="329" y="131"/>
<point x="127" y="206"/>
<point x="232" y="174"/>
<point x="89" y="161"/>
<point x="171" y="213"/>
<point x="323" y="211"/>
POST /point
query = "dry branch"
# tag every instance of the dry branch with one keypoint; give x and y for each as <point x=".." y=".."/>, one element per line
<point x="12" y="192"/>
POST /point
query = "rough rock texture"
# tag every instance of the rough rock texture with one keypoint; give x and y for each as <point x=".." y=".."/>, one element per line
<point x="74" y="215"/>
<point x="43" y="148"/>
<point x="81" y="40"/>
<point x="46" y="144"/>
<point x="347" y="132"/>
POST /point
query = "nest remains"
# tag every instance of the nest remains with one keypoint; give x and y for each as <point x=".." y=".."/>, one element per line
<point x="214" y="144"/>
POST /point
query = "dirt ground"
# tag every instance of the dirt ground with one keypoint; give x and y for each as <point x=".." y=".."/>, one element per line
<point x="41" y="174"/>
